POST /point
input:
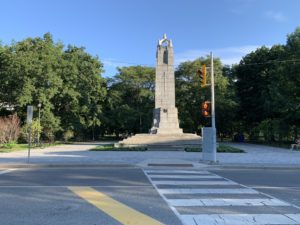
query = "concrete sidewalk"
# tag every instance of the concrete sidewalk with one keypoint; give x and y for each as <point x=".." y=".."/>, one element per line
<point x="79" y="154"/>
<point x="260" y="154"/>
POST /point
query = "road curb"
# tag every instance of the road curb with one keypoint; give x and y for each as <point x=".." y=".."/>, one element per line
<point x="5" y="166"/>
<point x="192" y="165"/>
<point x="253" y="166"/>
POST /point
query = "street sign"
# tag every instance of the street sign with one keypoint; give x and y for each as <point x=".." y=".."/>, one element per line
<point x="29" y="114"/>
<point x="29" y="121"/>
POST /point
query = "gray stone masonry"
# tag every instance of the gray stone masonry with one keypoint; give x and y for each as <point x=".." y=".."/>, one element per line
<point x="165" y="130"/>
<point x="165" y="114"/>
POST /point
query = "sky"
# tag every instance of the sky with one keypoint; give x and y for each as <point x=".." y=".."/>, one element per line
<point x="125" y="32"/>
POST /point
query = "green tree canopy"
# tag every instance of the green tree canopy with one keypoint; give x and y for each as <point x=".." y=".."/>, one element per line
<point x="190" y="95"/>
<point x="67" y="82"/>
<point x="268" y="88"/>
<point x="130" y="100"/>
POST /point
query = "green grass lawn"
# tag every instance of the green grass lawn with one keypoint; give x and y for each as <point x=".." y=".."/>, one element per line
<point x="13" y="147"/>
<point x="18" y="147"/>
<point x="221" y="149"/>
<point x="112" y="148"/>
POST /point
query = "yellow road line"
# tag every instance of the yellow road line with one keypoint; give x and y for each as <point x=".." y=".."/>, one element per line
<point x="115" y="209"/>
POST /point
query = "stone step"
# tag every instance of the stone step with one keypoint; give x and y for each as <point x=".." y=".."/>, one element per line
<point x="161" y="139"/>
<point x="163" y="142"/>
<point x="159" y="136"/>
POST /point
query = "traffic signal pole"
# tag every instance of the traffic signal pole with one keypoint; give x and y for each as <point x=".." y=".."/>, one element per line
<point x="213" y="121"/>
<point x="213" y="118"/>
<point x="209" y="144"/>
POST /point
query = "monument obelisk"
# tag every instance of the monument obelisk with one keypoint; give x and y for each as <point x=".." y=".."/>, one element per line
<point x="165" y="131"/>
<point x="165" y="115"/>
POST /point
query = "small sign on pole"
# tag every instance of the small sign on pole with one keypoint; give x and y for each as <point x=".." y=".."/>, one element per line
<point x="29" y="122"/>
<point x="29" y="114"/>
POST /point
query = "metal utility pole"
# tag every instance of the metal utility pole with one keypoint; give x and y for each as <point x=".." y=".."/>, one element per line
<point x="213" y="121"/>
<point x="29" y="122"/>
<point x="213" y="117"/>
<point x="209" y="152"/>
<point x="29" y="144"/>
<point x="39" y="106"/>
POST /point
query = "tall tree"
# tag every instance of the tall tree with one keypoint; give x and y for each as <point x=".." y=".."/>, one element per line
<point x="131" y="100"/>
<point x="80" y="100"/>
<point x="268" y="89"/>
<point x="67" y="83"/>
<point x="30" y="74"/>
<point x="190" y="95"/>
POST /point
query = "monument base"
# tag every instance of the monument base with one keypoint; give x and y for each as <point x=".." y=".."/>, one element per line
<point x="165" y="121"/>
<point x="162" y="141"/>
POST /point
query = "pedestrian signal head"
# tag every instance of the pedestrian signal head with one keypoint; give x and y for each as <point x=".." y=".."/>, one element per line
<point x="206" y="109"/>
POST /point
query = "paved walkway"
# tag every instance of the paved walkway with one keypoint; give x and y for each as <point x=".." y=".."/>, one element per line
<point x="260" y="154"/>
<point x="79" y="154"/>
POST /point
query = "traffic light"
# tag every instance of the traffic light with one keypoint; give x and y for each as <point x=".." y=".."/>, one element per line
<point x="202" y="75"/>
<point x="203" y="68"/>
<point x="206" y="109"/>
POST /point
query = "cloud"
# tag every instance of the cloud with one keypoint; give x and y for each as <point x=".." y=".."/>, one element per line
<point x="240" y="7"/>
<point x="276" y="16"/>
<point x="110" y="66"/>
<point x="229" y="55"/>
<point x="114" y="63"/>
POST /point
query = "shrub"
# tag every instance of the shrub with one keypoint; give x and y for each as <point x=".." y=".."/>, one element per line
<point x="36" y="130"/>
<point x="68" y="135"/>
<point x="9" y="129"/>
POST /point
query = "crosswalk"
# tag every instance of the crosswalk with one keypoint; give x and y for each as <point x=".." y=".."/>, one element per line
<point x="204" y="198"/>
<point x="6" y="171"/>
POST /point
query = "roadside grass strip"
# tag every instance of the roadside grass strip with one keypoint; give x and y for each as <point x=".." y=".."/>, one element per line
<point x="217" y="205"/>
<point x="117" y="210"/>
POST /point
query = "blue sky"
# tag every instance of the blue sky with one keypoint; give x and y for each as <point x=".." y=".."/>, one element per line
<point x="125" y="32"/>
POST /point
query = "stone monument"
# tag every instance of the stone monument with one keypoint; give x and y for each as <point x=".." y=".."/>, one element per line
<point x="165" y="115"/>
<point x="165" y="131"/>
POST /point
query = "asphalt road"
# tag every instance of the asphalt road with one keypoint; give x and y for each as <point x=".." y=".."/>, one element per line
<point x="63" y="196"/>
<point x="280" y="183"/>
<point x="42" y="196"/>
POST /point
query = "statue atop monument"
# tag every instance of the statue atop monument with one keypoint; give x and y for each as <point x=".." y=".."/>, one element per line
<point x="164" y="40"/>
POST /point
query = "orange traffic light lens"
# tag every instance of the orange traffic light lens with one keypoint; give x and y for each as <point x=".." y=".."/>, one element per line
<point x="206" y="109"/>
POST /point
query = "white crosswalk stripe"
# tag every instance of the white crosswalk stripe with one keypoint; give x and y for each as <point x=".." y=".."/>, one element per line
<point x="239" y="219"/>
<point x="207" y="191"/>
<point x="227" y="202"/>
<point x="187" y="176"/>
<point x="220" y="204"/>
<point x="6" y="171"/>
<point x="177" y="171"/>
<point x="185" y="182"/>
